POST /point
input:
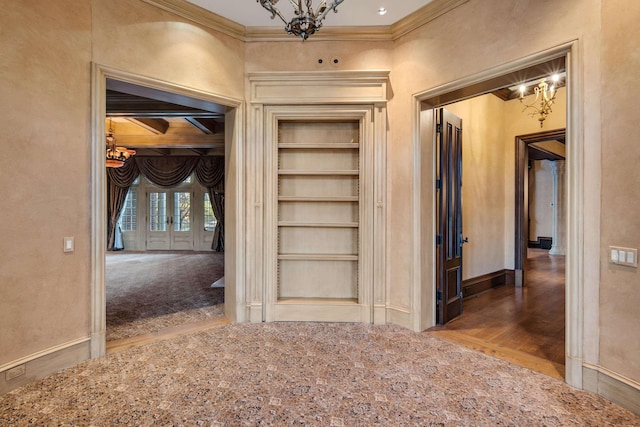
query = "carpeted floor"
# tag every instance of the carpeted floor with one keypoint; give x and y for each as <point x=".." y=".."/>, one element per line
<point x="312" y="374"/>
<point x="148" y="291"/>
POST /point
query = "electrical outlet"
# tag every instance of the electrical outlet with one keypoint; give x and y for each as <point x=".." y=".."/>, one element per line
<point x="623" y="256"/>
<point x="15" y="372"/>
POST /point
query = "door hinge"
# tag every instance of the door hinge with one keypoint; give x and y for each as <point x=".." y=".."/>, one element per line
<point x="438" y="184"/>
<point x="439" y="128"/>
<point x="438" y="239"/>
<point x="439" y="295"/>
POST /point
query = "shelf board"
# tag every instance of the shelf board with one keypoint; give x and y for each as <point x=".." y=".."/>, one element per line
<point x="317" y="257"/>
<point x="318" y="199"/>
<point x="329" y="301"/>
<point x="318" y="224"/>
<point x="319" y="172"/>
<point x="307" y="145"/>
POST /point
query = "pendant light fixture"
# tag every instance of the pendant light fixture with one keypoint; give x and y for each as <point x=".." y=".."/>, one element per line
<point x="306" y="20"/>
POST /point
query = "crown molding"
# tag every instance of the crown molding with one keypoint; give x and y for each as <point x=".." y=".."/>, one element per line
<point x="359" y="33"/>
<point x="226" y="26"/>
<point x="201" y="16"/>
<point x="423" y="16"/>
<point x="319" y="87"/>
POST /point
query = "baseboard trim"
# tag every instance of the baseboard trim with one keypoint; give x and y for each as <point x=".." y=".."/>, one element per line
<point x="541" y="243"/>
<point x="612" y="386"/>
<point x="399" y="316"/>
<point x="479" y="284"/>
<point x="46" y="362"/>
<point x="255" y="312"/>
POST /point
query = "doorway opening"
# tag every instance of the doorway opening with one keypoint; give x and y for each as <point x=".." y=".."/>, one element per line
<point x="165" y="246"/>
<point x="165" y="213"/>
<point x="504" y="270"/>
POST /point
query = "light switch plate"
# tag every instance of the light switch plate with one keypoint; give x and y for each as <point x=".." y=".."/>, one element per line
<point x="623" y="256"/>
<point x="68" y="245"/>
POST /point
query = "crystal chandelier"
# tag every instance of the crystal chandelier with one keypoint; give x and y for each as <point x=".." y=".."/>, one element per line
<point x="545" y="97"/>
<point x="116" y="156"/>
<point x="305" y="22"/>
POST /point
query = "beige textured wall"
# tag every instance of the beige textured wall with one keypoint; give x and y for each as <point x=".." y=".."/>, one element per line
<point x="517" y="123"/>
<point x="44" y="174"/>
<point x="45" y="80"/>
<point x="133" y="36"/>
<point x="304" y="56"/>
<point x="460" y="43"/>
<point x="45" y="83"/>
<point x="489" y="130"/>
<point x="483" y="166"/>
<point x="620" y="286"/>
<point x="435" y="54"/>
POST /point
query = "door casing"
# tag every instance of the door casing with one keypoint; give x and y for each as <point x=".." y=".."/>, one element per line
<point x="521" y="199"/>
<point x="234" y="207"/>
<point x="580" y="287"/>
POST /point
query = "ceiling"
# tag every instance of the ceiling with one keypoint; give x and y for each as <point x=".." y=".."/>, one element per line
<point x="154" y="122"/>
<point x="159" y="123"/>
<point x="350" y="13"/>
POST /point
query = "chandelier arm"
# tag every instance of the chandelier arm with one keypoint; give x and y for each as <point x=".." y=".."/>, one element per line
<point x="333" y="7"/>
<point x="321" y="8"/>
<point x="271" y="8"/>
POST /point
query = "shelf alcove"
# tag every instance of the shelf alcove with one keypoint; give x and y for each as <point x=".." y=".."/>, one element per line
<point x="322" y="154"/>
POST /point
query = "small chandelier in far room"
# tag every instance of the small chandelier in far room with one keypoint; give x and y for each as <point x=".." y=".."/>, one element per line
<point x="116" y="156"/>
<point x="545" y="97"/>
<point x="305" y="22"/>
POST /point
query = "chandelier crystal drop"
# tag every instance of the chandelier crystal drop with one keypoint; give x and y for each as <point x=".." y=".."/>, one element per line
<point x="306" y="20"/>
<point x="116" y="156"/>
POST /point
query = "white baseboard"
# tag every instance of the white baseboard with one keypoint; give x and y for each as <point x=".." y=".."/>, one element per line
<point x="43" y="363"/>
<point x="614" y="387"/>
<point x="399" y="316"/>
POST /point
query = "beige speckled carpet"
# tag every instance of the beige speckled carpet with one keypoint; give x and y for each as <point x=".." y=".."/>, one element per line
<point x="314" y="374"/>
<point x="148" y="291"/>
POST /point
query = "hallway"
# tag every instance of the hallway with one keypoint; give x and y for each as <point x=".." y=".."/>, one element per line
<point x="523" y="325"/>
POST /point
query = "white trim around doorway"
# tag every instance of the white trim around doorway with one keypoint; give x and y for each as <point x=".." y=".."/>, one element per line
<point x="580" y="287"/>
<point x="234" y="228"/>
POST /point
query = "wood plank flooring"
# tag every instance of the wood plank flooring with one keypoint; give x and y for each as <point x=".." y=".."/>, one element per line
<point x="523" y="325"/>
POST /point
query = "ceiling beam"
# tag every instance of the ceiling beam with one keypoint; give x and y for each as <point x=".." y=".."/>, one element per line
<point x="164" y="97"/>
<point x="161" y="151"/>
<point x="207" y="126"/>
<point x="157" y="126"/>
<point x="171" y="141"/>
<point x="200" y="151"/>
<point x="126" y="105"/>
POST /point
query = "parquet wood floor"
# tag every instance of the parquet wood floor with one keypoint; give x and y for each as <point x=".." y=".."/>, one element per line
<point x="529" y="321"/>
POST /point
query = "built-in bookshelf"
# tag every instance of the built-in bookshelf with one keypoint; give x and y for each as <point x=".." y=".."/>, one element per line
<point x="318" y="210"/>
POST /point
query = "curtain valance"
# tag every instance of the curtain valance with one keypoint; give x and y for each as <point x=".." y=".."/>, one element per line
<point x="170" y="171"/>
<point x="166" y="172"/>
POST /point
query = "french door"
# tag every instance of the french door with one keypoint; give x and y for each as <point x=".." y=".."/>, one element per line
<point x="449" y="216"/>
<point x="169" y="220"/>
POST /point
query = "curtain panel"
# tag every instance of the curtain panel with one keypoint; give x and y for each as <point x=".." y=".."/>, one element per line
<point x="118" y="182"/>
<point x="166" y="172"/>
<point x="210" y="173"/>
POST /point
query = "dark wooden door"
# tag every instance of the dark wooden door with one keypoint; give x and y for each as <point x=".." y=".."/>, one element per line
<point x="449" y="240"/>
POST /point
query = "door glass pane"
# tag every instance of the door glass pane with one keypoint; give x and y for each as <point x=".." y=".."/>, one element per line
<point x="157" y="211"/>
<point x="181" y="211"/>
<point x="210" y="220"/>
<point x="129" y="216"/>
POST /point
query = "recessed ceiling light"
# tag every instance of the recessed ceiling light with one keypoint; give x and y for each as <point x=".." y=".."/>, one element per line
<point x="382" y="11"/>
